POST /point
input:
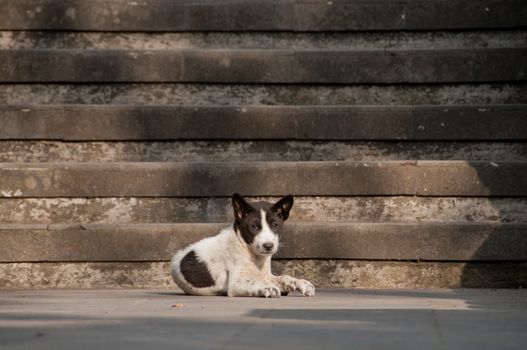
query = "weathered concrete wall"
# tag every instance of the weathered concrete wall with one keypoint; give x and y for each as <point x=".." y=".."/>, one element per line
<point x="381" y="274"/>
<point x="296" y="15"/>
<point x="352" y="123"/>
<point x="29" y="151"/>
<point x="267" y="40"/>
<point x="301" y="240"/>
<point x="265" y="66"/>
<point x="324" y="273"/>
<point x="414" y="178"/>
<point x="399" y="126"/>
<point x="258" y="94"/>
<point x="327" y="209"/>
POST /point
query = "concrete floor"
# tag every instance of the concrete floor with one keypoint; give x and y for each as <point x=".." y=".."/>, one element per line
<point x="334" y="319"/>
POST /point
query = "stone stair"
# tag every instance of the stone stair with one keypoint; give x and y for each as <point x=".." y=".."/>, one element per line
<point x="400" y="127"/>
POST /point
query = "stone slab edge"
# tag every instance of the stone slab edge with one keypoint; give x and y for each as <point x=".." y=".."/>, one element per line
<point x="289" y="15"/>
<point x="264" y="66"/>
<point x="314" y="240"/>
<point x="95" y="122"/>
<point x="325" y="178"/>
<point x="323" y="273"/>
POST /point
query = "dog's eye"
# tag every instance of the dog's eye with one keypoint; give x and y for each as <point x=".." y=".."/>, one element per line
<point x="255" y="227"/>
<point x="275" y="225"/>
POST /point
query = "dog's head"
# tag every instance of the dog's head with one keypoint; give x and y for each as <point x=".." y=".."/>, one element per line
<point x="260" y="224"/>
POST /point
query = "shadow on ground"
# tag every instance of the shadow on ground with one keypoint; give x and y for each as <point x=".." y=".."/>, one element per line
<point x="336" y="319"/>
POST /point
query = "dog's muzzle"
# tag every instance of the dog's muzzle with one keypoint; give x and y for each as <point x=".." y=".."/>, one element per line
<point x="268" y="247"/>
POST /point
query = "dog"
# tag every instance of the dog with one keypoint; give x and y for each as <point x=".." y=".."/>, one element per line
<point x="237" y="261"/>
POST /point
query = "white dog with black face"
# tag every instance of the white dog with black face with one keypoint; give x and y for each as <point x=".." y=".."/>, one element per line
<point x="237" y="261"/>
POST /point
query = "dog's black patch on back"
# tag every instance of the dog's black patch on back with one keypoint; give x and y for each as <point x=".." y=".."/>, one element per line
<point x="195" y="272"/>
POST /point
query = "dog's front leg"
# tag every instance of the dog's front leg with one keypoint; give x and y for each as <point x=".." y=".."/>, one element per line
<point x="291" y="284"/>
<point x="254" y="290"/>
<point x="241" y="286"/>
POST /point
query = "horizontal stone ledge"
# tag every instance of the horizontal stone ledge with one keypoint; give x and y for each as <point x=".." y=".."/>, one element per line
<point x="209" y="210"/>
<point x="189" y="179"/>
<point x="399" y="40"/>
<point x="302" y="240"/>
<point x="261" y="94"/>
<point x="265" y="66"/>
<point x="429" y="122"/>
<point x="244" y="15"/>
<point x="324" y="273"/>
<point x="402" y="274"/>
<point x="35" y="151"/>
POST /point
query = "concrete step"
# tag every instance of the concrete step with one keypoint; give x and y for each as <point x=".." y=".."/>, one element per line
<point x="264" y="40"/>
<point x="258" y="94"/>
<point x="423" y="178"/>
<point x="127" y="125"/>
<point x="302" y="240"/>
<point x="286" y="15"/>
<point x="265" y="66"/>
<point x="210" y="210"/>
<point x="79" y="123"/>
<point x="34" y="151"/>
<point x="323" y="273"/>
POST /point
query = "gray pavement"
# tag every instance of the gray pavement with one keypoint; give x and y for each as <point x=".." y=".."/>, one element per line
<point x="334" y="319"/>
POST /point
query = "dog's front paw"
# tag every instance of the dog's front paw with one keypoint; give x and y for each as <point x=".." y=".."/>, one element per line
<point x="305" y="288"/>
<point x="269" y="292"/>
<point x="290" y="284"/>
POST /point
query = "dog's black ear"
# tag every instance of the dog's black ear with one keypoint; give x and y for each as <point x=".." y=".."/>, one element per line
<point x="283" y="206"/>
<point x="241" y="207"/>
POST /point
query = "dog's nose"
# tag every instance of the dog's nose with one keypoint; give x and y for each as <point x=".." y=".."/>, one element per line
<point x="268" y="246"/>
